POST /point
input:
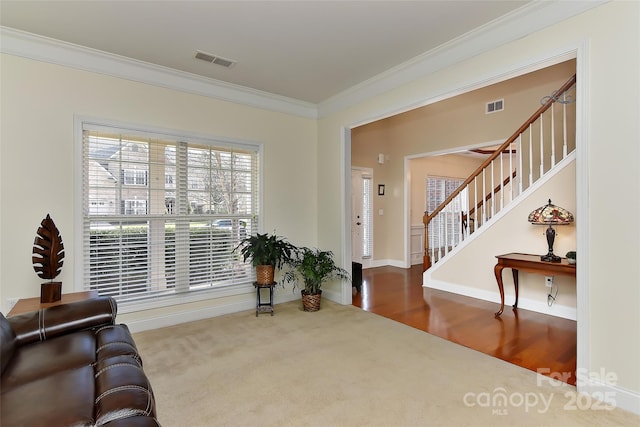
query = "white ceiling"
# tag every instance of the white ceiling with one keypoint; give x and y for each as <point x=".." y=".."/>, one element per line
<point x="304" y="50"/>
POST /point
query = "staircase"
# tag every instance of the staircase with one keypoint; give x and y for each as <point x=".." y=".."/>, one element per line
<point x="544" y="140"/>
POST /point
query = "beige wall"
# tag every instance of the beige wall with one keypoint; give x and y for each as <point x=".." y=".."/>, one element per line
<point x="608" y="40"/>
<point x="39" y="102"/>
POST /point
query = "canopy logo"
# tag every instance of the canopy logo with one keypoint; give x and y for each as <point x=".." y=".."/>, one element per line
<point x="500" y="400"/>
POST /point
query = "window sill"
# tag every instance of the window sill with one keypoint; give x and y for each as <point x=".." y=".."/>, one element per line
<point x="185" y="298"/>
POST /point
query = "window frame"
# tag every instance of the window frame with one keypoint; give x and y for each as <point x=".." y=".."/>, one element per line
<point x="145" y="130"/>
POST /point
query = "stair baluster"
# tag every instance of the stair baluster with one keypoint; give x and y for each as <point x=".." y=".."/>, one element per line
<point x="453" y="204"/>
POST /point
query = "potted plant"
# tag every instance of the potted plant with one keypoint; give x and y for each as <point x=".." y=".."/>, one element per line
<point x="571" y="257"/>
<point x="267" y="252"/>
<point x="313" y="267"/>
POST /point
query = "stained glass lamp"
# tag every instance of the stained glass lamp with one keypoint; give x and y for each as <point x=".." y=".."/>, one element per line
<point x="550" y="215"/>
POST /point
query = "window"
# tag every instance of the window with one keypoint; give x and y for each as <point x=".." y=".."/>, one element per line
<point x="169" y="224"/>
<point x="134" y="207"/>
<point x="367" y="217"/>
<point x="134" y="177"/>
<point x="445" y="230"/>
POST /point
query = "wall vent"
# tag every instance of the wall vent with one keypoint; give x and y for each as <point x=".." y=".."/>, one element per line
<point x="494" y="106"/>
<point x="214" y="59"/>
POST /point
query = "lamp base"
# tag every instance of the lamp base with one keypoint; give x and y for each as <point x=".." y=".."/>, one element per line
<point x="550" y="257"/>
<point x="551" y="235"/>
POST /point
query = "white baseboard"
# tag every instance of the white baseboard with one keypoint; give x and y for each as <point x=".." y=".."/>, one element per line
<point x="386" y="262"/>
<point x="557" y="310"/>
<point x="610" y="394"/>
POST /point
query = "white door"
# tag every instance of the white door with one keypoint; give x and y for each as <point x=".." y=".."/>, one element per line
<point x="356" y="215"/>
<point x="361" y="205"/>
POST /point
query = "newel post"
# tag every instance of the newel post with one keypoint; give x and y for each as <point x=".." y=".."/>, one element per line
<point x="426" y="259"/>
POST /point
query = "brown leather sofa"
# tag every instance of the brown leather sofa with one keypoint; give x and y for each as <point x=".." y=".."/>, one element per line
<point x="72" y="365"/>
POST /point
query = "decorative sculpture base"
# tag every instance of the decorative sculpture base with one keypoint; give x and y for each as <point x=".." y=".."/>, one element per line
<point x="50" y="292"/>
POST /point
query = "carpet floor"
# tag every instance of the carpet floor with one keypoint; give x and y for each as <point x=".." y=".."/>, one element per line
<point x="342" y="366"/>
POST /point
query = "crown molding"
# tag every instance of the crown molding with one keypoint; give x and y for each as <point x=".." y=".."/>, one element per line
<point x="526" y="20"/>
<point x="39" y="48"/>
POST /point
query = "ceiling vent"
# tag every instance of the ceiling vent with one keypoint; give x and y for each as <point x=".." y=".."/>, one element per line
<point x="224" y="62"/>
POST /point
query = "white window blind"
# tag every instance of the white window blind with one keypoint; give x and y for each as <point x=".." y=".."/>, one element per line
<point x="162" y="214"/>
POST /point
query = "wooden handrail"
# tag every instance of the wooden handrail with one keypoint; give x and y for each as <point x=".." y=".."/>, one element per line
<point x="426" y="218"/>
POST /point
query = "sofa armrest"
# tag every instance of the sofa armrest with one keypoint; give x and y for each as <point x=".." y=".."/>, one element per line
<point x="61" y="319"/>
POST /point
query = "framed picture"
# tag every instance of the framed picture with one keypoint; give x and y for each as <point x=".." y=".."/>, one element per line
<point x="380" y="189"/>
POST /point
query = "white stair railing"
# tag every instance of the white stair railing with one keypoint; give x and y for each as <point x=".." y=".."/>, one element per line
<point x="532" y="151"/>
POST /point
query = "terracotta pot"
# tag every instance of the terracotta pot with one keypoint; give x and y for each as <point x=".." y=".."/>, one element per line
<point x="264" y="274"/>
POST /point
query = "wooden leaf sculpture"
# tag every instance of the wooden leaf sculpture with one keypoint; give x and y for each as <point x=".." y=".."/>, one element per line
<point x="48" y="250"/>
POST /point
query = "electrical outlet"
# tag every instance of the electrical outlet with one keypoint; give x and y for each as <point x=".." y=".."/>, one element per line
<point x="548" y="281"/>
<point x="11" y="302"/>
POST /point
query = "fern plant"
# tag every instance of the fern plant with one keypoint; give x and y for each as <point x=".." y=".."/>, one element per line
<point x="266" y="249"/>
<point x="313" y="267"/>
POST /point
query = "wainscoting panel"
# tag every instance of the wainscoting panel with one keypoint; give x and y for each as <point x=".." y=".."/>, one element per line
<point x="417" y="244"/>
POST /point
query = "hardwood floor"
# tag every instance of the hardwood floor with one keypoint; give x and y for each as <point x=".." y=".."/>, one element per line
<point x="524" y="338"/>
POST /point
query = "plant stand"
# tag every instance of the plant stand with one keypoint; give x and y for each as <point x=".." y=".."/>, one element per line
<point x="264" y="307"/>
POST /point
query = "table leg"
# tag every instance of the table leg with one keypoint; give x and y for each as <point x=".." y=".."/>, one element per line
<point x="271" y="298"/>
<point x="515" y="285"/>
<point x="498" y="272"/>
<point x="257" y="300"/>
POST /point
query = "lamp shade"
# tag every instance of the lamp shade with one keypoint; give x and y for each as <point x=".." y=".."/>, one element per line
<point x="551" y="214"/>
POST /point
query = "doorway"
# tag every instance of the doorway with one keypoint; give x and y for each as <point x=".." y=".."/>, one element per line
<point x="361" y="215"/>
<point x="435" y="129"/>
<point x="581" y="185"/>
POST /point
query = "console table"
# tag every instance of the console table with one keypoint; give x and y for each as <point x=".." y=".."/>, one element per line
<point x="531" y="264"/>
<point x="32" y="304"/>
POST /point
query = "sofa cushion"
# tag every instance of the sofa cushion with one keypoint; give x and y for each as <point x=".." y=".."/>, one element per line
<point x="122" y="388"/>
<point x="42" y="359"/>
<point x="7" y="342"/>
<point x="115" y="340"/>
<point x="61" y="399"/>
<point x="63" y="319"/>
